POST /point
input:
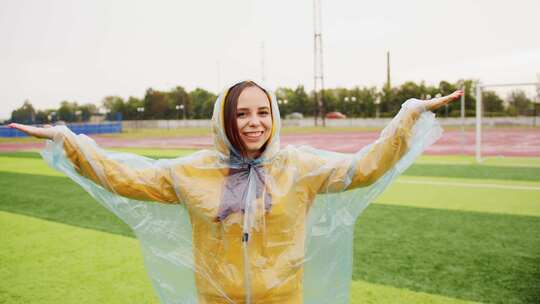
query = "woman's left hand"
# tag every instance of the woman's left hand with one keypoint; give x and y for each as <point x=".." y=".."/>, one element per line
<point x="435" y="103"/>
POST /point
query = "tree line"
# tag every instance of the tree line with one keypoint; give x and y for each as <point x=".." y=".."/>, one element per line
<point x="178" y="103"/>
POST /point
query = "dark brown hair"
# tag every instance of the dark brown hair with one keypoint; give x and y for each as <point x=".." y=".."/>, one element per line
<point x="230" y="113"/>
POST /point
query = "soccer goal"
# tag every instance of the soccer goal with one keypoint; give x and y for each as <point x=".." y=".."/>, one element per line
<point x="507" y="125"/>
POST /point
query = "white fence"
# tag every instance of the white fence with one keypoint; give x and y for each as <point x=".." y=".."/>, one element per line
<point x="349" y="122"/>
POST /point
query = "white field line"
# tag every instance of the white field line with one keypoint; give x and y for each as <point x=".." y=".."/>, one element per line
<point x="473" y="163"/>
<point x="469" y="185"/>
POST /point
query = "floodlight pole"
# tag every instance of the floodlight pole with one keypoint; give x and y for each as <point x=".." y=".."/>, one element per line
<point x="318" y="87"/>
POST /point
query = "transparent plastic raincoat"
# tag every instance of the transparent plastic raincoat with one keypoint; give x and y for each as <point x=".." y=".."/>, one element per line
<point x="217" y="228"/>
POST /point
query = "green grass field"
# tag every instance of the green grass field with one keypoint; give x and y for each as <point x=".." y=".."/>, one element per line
<point x="448" y="231"/>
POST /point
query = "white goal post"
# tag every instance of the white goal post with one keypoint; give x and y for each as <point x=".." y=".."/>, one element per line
<point x="479" y="88"/>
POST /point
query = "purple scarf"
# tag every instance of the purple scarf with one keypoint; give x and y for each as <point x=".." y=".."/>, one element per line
<point x="235" y="189"/>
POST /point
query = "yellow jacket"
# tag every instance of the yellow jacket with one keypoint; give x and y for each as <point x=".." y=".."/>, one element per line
<point x="269" y="266"/>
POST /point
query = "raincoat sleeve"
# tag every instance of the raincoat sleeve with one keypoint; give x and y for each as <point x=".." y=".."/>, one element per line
<point x="335" y="172"/>
<point x="393" y="143"/>
<point x="152" y="183"/>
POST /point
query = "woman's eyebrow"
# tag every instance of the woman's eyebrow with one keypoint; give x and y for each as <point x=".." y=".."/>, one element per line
<point x="247" y="109"/>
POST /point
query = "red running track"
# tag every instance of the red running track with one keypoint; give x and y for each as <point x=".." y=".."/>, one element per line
<point x="505" y="142"/>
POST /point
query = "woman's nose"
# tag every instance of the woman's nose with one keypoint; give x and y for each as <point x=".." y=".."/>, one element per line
<point x="254" y="120"/>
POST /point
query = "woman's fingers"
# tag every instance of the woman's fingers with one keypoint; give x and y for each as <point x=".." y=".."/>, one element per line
<point x="457" y="94"/>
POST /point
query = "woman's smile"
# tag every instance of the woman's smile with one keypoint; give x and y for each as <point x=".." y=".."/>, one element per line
<point x="253" y="136"/>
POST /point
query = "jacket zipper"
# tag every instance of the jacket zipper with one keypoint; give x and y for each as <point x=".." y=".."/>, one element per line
<point x="245" y="235"/>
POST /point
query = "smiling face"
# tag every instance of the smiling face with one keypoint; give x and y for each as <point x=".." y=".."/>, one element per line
<point x="254" y="119"/>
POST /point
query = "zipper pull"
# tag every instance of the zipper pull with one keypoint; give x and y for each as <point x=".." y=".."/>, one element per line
<point x="245" y="237"/>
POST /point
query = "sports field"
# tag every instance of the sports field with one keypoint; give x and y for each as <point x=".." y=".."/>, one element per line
<point x="448" y="231"/>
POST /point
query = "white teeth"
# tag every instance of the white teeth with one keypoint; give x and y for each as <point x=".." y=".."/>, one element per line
<point x="254" y="134"/>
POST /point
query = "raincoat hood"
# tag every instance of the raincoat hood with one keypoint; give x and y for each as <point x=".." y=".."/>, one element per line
<point x="222" y="144"/>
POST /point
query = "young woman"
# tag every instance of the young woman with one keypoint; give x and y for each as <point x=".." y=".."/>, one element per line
<point x="246" y="222"/>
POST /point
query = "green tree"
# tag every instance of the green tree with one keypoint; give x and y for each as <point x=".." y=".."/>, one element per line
<point x="518" y="103"/>
<point x="331" y="100"/>
<point x="179" y="97"/>
<point x="67" y="110"/>
<point x="87" y="110"/>
<point x="42" y="117"/>
<point x="388" y="101"/>
<point x="492" y="103"/>
<point x="296" y="100"/>
<point x="364" y="103"/>
<point x="45" y="116"/>
<point x="299" y="101"/>
<point x="447" y="88"/>
<point x="284" y="98"/>
<point x="25" y="114"/>
<point x="203" y="103"/>
<point x="113" y="105"/>
<point x="341" y="101"/>
<point x="156" y="104"/>
<point x="392" y="100"/>
<point x="469" y="90"/>
<point x="130" y="108"/>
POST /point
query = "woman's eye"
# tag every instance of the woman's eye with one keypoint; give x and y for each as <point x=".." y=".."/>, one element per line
<point x="264" y="113"/>
<point x="240" y="114"/>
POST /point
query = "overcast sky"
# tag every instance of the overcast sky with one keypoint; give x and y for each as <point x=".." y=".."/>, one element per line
<point x="85" y="50"/>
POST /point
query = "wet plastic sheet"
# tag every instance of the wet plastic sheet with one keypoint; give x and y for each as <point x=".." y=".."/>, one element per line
<point x="217" y="228"/>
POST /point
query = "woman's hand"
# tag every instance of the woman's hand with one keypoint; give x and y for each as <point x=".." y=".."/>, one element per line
<point x="435" y="103"/>
<point x="45" y="132"/>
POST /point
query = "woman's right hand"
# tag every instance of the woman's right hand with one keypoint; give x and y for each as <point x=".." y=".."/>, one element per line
<point x="45" y="132"/>
<point x="435" y="103"/>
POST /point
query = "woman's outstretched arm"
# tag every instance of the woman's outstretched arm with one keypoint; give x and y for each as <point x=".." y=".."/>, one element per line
<point x="394" y="141"/>
<point x="334" y="174"/>
<point x="151" y="184"/>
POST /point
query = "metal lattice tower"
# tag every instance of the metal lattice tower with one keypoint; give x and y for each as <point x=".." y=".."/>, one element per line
<point x="318" y="62"/>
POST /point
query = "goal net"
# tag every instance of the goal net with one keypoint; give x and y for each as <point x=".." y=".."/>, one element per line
<point x="507" y="120"/>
